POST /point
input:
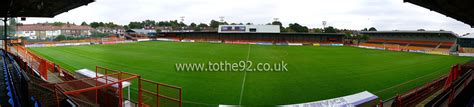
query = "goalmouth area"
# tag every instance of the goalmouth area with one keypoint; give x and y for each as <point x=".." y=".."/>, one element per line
<point x="314" y="73"/>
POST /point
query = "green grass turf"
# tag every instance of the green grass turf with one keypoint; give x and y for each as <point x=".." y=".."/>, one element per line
<point x="315" y="73"/>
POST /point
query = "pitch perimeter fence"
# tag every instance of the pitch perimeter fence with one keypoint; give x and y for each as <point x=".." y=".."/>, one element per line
<point x="105" y="89"/>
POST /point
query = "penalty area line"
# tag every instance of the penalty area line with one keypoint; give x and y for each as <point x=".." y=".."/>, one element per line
<point x="243" y="81"/>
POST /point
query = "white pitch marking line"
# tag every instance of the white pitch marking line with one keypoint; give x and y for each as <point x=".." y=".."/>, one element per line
<point x="243" y="81"/>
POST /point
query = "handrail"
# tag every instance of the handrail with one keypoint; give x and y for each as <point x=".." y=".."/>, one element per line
<point x="448" y="91"/>
<point x="161" y="84"/>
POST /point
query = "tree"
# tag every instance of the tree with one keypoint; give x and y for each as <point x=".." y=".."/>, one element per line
<point x="110" y="25"/>
<point x="365" y="37"/>
<point x="365" y="29"/>
<point x="282" y="29"/>
<point x="192" y="25"/>
<point x="60" y="38"/>
<point x="126" y="27"/>
<point x="94" y="24"/>
<point x="149" y="23"/>
<point x="134" y="25"/>
<point x="101" y="24"/>
<point x="158" y="30"/>
<point x="318" y="30"/>
<point x="214" y="24"/>
<point x="84" y="24"/>
<point x="58" y="24"/>
<point x="330" y="29"/>
<point x="181" y="24"/>
<point x="372" y="29"/>
<point x="298" y="28"/>
<point x="163" y="23"/>
<point x="202" y="25"/>
<point x="249" y="23"/>
<point x="175" y="24"/>
<point x="12" y="28"/>
<point x="421" y="30"/>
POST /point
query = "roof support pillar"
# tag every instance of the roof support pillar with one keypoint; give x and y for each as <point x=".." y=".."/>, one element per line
<point x="5" y="33"/>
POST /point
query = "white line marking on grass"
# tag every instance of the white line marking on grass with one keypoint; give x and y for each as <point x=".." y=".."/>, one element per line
<point x="410" y="81"/>
<point x="243" y="81"/>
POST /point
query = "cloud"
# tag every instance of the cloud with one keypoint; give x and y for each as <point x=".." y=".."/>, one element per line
<point x="349" y="14"/>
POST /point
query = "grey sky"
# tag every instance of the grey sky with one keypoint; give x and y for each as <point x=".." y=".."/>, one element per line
<point x="350" y="14"/>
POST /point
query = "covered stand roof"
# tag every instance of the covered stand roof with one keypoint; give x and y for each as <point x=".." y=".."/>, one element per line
<point x="38" y="8"/>
<point x="458" y="9"/>
<point x="441" y="33"/>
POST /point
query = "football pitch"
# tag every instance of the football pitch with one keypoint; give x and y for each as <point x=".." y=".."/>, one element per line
<point x="314" y="73"/>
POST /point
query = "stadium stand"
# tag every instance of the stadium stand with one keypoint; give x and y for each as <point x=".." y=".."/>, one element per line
<point x="466" y="45"/>
<point x="245" y="38"/>
<point x="15" y="84"/>
<point x="436" y="42"/>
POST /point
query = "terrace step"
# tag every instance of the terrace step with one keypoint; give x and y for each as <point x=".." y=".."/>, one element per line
<point x="428" y="99"/>
<point x="53" y="77"/>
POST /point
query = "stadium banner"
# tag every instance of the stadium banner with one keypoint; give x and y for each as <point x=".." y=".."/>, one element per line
<point x="394" y="49"/>
<point x="264" y="43"/>
<point x="107" y="43"/>
<point x="239" y="42"/>
<point x="354" y="100"/>
<point x="316" y="44"/>
<point x="228" y="42"/>
<point x="228" y="105"/>
<point x="187" y="40"/>
<point x="295" y="44"/>
<point x="164" y="39"/>
<point x="75" y="44"/>
<point x="35" y="45"/>
<point x="215" y="41"/>
<point x="125" y="41"/>
<point x="325" y="44"/>
<point x="236" y="42"/>
<point x="60" y="44"/>
<point x="416" y="51"/>
<point x="466" y="54"/>
<point x="142" y="40"/>
<point x="337" y="44"/>
<point x="367" y="47"/>
<point x="254" y="43"/>
<point x="379" y="48"/>
<point x="282" y="44"/>
<point x="49" y="45"/>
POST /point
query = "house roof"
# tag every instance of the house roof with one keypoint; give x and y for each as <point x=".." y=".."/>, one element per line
<point x="47" y="27"/>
